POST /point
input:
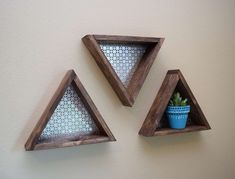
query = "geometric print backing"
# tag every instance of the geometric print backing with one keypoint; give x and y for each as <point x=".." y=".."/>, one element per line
<point x="124" y="58"/>
<point x="70" y="118"/>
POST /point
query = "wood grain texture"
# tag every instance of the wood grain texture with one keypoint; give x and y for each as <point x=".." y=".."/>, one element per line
<point x="71" y="142"/>
<point x="103" y="63"/>
<point x="126" y="95"/>
<point x="156" y="122"/>
<point x="104" y="135"/>
<point x="125" y="39"/>
<point x="168" y="131"/>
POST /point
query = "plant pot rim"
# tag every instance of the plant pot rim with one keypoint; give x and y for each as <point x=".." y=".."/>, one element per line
<point x="178" y="106"/>
<point x="178" y="109"/>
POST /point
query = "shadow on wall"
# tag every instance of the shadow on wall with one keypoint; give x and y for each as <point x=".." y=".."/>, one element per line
<point x="81" y="153"/>
<point x="171" y="142"/>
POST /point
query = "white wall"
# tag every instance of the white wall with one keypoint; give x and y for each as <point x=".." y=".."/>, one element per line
<point x="41" y="40"/>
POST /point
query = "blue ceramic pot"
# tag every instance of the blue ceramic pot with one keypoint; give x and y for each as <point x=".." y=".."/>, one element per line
<point x="177" y="116"/>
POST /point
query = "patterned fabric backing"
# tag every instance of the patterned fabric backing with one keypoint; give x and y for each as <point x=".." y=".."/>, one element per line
<point x="124" y="58"/>
<point x="70" y="118"/>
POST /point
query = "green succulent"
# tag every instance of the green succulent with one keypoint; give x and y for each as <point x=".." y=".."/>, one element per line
<point x="176" y="100"/>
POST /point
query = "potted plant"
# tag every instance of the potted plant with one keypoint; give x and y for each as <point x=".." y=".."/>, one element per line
<point x="177" y="111"/>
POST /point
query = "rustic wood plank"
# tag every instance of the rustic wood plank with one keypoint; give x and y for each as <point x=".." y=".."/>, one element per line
<point x="103" y="63"/>
<point x="104" y="131"/>
<point x="70" y="143"/>
<point x="159" y="105"/>
<point x="196" y="112"/>
<point x="31" y="142"/>
<point x="90" y="106"/>
<point x="126" y="39"/>
<point x="143" y="69"/>
<point x="168" y="131"/>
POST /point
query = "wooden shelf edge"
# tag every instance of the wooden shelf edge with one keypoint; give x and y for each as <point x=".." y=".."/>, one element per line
<point x="122" y="38"/>
<point x="61" y="144"/>
<point x="169" y="131"/>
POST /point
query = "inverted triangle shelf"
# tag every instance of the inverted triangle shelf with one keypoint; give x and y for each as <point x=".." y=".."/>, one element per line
<point x="124" y="60"/>
<point x="156" y="124"/>
<point x="70" y="119"/>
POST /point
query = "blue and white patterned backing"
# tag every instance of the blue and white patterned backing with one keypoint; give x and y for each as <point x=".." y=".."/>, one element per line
<point x="124" y="58"/>
<point x="70" y="118"/>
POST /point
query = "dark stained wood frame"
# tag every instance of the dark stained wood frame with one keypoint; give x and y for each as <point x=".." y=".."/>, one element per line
<point x="104" y="135"/>
<point x="152" y="126"/>
<point x="129" y="94"/>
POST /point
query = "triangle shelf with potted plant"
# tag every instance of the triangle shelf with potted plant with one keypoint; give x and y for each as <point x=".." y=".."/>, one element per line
<point x="124" y="60"/>
<point x="70" y="119"/>
<point x="156" y="123"/>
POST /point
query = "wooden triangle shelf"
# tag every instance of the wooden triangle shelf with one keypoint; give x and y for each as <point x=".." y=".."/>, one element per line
<point x="124" y="60"/>
<point x="156" y="123"/>
<point x="70" y="119"/>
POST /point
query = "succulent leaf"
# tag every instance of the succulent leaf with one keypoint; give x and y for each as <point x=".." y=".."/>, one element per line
<point x="177" y="100"/>
<point x="184" y="102"/>
<point x="171" y="103"/>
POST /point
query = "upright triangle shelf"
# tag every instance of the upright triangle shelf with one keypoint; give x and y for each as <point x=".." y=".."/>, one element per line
<point x="124" y="60"/>
<point x="70" y="119"/>
<point x="156" y="123"/>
